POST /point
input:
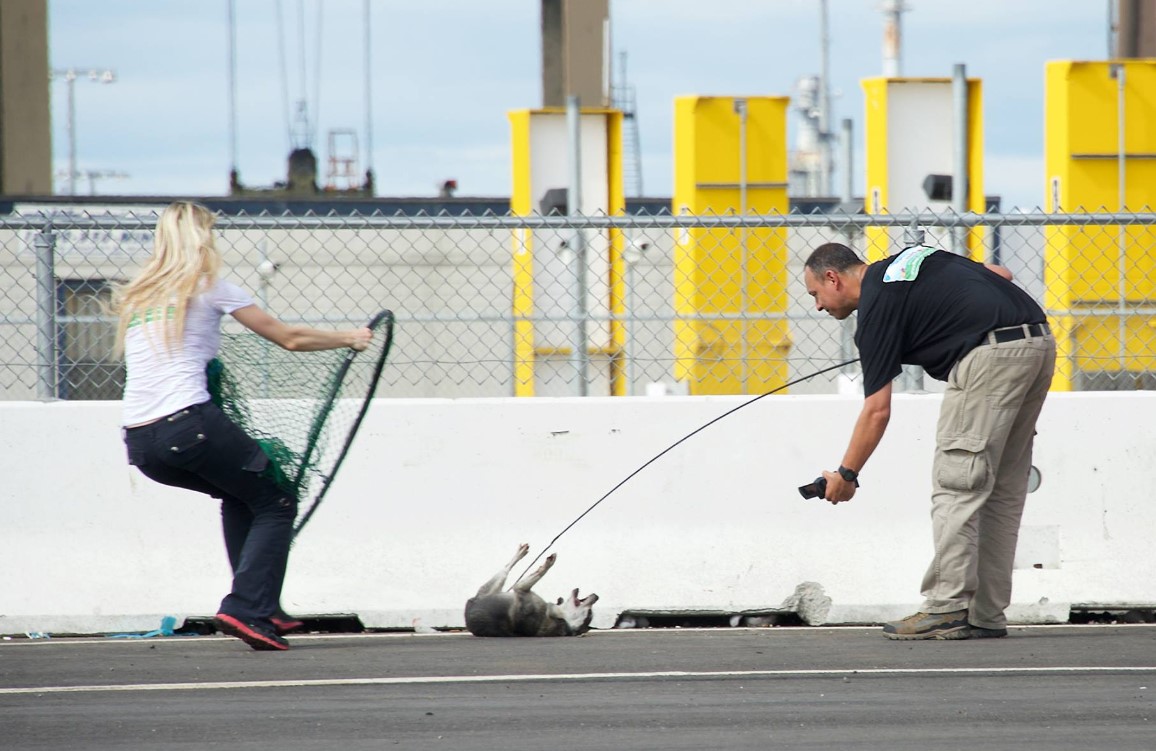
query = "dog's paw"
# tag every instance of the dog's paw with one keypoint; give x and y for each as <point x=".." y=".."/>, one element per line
<point x="523" y="549"/>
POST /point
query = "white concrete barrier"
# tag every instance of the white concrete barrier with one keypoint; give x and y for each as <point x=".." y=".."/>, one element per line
<point x="436" y="494"/>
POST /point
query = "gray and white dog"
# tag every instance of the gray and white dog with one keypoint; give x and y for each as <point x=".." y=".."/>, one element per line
<point x="520" y="612"/>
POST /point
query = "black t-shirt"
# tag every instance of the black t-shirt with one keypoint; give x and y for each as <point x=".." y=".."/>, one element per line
<point x="929" y="307"/>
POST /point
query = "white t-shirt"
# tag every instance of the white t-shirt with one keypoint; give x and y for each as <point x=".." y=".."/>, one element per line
<point x="159" y="381"/>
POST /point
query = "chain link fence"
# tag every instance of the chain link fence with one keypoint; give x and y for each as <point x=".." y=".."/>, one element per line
<point x="571" y="306"/>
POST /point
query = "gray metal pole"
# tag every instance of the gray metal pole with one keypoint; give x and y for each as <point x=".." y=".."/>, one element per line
<point x="913" y="234"/>
<point x="893" y="38"/>
<point x="265" y="271"/>
<point x="847" y="332"/>
<point x="70" y="75"/>
<point x="1122" y="231"/>
<point x="848" y="161"/>
<point x="744" y="301"/>
<point x="45" y="247"/>
<point x="574" y="208"/>
<point x="70" y="79"/>
<point x="960" y="186"/>
<point x="631" y="326"/>
<point x="912" y="377"/>
<point x="825" y="134"/>
<point x="368" y="92"/>
<point x="232" y="57"/>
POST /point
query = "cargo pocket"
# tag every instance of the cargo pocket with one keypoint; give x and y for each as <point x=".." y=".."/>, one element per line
<point x="962" y="463"/>
<point x="181" y="437"/>
<point x="258" y="462"/>
<point x="261" y="464"/>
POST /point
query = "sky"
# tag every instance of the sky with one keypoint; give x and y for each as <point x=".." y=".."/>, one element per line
<point x="444" y="74"/>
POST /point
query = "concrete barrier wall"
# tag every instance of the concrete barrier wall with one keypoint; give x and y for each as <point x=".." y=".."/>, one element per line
<point x="436" y="495"/>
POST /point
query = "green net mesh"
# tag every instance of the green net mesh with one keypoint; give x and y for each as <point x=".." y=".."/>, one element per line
<point x="303" y="408"/>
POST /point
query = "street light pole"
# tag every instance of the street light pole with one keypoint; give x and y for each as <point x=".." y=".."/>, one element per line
<point x="99" y="75"/>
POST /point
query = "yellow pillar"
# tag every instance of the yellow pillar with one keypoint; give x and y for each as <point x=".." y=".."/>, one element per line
<point x="1095" y="274"/>
<point x="730" y="157"/>
<point x="521" y="204"/>
<point x="540" y="161"/>
<point x="900" y="112"/>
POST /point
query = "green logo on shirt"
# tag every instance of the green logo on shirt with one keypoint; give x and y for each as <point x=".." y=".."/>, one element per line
<point x="905" y="267"/>
<point x="151" y="315"/>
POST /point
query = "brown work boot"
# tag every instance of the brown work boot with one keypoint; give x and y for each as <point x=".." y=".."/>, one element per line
<point x="930" y="626"/>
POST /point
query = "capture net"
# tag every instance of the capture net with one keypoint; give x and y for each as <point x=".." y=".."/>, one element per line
<point x="303" y="408"/>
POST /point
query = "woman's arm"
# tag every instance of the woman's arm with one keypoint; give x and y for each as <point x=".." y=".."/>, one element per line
<point x="300" y="338"/>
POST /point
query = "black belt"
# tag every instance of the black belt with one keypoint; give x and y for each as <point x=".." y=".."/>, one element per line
<point x="1015" y="333"/>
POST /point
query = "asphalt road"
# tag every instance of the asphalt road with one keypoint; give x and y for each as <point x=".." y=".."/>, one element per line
<point x="1065" y="687"/>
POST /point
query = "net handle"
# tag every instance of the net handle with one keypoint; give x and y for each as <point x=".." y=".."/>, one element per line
<point x="386" y="317"/>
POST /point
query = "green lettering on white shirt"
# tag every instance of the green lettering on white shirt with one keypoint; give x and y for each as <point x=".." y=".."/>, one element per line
<point x="151" y="315"/>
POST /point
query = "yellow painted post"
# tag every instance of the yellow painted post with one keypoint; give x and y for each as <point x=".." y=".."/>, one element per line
<point x="521" y="204"/>
<point x="730" y="271"/>
<point x="539" y="161"/>
<point x="616" y="270"/>
<point x="900" y="112"/>
<point x="976" y="200"/>
<point x="1094" y="275"/>
<point x="877" y="242"/>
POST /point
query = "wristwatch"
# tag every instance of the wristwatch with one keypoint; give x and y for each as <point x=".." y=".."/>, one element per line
<point x="849" y="475"/>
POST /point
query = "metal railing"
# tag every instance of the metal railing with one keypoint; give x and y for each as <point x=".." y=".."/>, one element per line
<point x="499" y="305"/>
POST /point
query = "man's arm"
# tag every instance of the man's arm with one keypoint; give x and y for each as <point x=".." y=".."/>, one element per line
<point x="1003" y="271"/>
<point x="869" y="429"/>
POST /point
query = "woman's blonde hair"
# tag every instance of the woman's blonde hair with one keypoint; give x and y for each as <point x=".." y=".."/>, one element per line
<point x="184" y="262"/>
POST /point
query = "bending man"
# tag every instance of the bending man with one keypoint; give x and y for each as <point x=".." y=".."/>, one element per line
<point x="967" y="324"/>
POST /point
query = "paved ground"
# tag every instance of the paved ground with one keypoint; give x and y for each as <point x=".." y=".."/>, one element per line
<point x="1067" y="687"/>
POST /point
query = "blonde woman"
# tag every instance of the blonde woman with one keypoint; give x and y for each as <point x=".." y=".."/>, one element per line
<point x="169" y="328"/>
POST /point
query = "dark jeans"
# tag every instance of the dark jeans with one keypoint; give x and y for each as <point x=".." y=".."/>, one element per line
<point x="200" y="449"/>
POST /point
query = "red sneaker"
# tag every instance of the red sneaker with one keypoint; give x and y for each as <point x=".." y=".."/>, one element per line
<point x="255" y="636"/>
<point x="283" y="624"/>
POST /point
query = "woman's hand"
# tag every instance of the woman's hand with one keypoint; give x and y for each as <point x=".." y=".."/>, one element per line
<point x="360" y="338"/>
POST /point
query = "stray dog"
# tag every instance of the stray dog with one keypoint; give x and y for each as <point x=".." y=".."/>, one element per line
<point x="520" y="612"/>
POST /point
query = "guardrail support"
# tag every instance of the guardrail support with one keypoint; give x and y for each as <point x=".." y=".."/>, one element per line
<point x="46" y="361"/>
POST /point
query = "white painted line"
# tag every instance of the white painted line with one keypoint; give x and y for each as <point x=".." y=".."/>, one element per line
<point x="436" y="679"/>
<point x="187" y="639"/>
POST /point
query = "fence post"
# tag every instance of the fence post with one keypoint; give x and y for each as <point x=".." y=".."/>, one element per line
<point x="46" y="366"/>
<point x="961" y="187"/>
<point x="912" y="377"/>
<point x="578" y="345"/>
<point x="913" y="233"/>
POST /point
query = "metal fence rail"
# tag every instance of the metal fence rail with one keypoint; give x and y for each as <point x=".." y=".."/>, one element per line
<point x="499" y="305"/>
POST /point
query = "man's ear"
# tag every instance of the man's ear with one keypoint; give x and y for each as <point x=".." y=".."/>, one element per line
<point x="833" y="276"/>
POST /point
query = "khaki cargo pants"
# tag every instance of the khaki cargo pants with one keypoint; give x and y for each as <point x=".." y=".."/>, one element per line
<point x="980" y="475"/>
